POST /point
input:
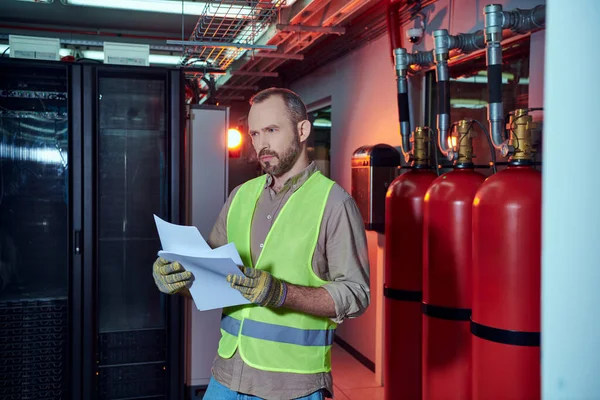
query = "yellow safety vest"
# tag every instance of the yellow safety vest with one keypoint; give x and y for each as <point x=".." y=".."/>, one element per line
<point x="278" y="339"/>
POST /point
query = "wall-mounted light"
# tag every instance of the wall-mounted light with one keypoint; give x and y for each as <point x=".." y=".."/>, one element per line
<point x="234" y="143"/>
<point x="234" y="138"/>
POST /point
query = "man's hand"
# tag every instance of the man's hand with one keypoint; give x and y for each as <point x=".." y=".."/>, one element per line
<point x="170" y="277"/>
<point x="260" y="287"/>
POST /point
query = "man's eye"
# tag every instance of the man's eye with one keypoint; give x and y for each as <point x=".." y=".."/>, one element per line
<point x="270" y="130"/>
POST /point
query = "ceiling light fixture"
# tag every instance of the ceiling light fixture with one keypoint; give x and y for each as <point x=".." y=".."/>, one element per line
<point x="169" y="7"/>
<point x="4" y="49"/>
<point x="39" y="1"/>
<point x="156" y="59"/>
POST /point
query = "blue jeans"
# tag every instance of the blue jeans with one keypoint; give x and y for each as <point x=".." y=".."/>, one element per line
<point x="216" y="391"/>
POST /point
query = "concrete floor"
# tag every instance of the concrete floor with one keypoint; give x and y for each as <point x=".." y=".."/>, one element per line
<point x="351" y="379"/>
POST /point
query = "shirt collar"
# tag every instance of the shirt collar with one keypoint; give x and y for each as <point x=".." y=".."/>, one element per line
<point x="295" y="181"/>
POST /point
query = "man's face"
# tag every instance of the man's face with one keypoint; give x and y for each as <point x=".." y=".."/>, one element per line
<point x="274" y="137"/>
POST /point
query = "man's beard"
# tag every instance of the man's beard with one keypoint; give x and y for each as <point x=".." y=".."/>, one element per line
<point x="286" y="160"/>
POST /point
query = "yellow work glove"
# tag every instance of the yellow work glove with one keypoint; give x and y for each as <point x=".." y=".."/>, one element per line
<point x="170" y="277"/>
<point x="260" y="287"/>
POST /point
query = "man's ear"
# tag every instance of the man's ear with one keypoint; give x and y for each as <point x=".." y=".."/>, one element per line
<point x="304" y="128"/>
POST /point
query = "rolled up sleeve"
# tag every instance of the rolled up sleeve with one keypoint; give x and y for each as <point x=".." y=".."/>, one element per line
<point x="218" y="233"/>
<point x="348" y="261"/>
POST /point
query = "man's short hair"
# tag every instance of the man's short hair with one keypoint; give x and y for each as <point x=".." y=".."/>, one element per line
<point x="295" y="105"/>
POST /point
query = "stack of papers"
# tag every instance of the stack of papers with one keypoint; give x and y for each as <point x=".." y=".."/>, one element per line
<point x="210" y="289"/>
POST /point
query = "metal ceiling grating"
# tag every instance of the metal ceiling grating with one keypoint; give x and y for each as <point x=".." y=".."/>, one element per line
<point x="224" y="24"/>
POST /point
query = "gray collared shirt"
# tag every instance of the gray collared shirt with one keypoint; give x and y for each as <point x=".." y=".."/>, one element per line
<point x="340" y="257"/>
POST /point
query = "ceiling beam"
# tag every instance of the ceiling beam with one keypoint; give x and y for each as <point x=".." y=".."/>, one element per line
<point x="282" y="56"/>
<point x="338" y="30"/>
<point x="256" y="74"/>
<point x="320" y="12"/>
<point x="230" y="98"/>
<point x="193" y="43"/>
<point x="237" y="87"/>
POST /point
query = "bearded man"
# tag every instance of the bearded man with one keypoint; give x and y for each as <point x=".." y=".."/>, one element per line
<point x="306" y="269"/>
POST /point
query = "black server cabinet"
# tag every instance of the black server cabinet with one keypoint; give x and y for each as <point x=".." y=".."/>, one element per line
<point x="132" y="125"/>
<point x="36" y="253"/>
<point x="88" y="153"/>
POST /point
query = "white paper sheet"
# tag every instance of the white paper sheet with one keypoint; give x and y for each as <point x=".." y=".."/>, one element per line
<point x="186" y="245"/>
<point x="181" y="239"/>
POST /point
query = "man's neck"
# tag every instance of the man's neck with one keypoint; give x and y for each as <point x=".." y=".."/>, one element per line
<point x="301" y="164"/>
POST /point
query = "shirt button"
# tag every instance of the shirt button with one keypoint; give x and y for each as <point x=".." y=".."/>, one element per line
<point x="261" y="245"/>
<point x="268" y="217"/>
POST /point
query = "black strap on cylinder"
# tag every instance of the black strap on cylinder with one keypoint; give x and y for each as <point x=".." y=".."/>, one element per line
<point x="504" y="336"/>
<point x="403" y="295"/>
<point x="452" y="314"/>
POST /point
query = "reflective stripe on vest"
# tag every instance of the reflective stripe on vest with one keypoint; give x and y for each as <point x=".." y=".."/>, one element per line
<point x="278" y="333"/>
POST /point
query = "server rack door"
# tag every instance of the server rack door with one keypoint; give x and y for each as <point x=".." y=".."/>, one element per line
<point x="76" y="303"/>
<point x="129" y="163"/>
<point x="175" y="332"/>
<point x="35" y="230"/>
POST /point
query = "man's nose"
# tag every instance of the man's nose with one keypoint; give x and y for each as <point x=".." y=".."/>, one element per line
<point x="261" y="143"/>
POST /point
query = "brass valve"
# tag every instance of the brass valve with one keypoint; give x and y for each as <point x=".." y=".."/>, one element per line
<point x="464" y="142"/>
<point x="420" y="140"/>
<point x="520" y="145"/>
<point x="461" y="146"/>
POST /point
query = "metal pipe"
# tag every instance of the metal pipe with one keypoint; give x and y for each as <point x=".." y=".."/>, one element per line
<point x="422" y="58"/>
<point x="493" y="38"/>
<point x="490" y="38"/>
<point x="496" y="20"/>
<point x="444" y="42"/>
<point x="401" y="61"/>
<point x="393" y="26"/>
<point x="468" y="42"/>
<point x="523" y="21"/>
<point x="442" y="49"/>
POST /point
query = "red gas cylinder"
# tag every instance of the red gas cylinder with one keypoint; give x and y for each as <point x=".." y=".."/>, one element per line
<point x="402" y="287"/>
<point x="506" y="285"/>
<point x="447" y="285"/>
